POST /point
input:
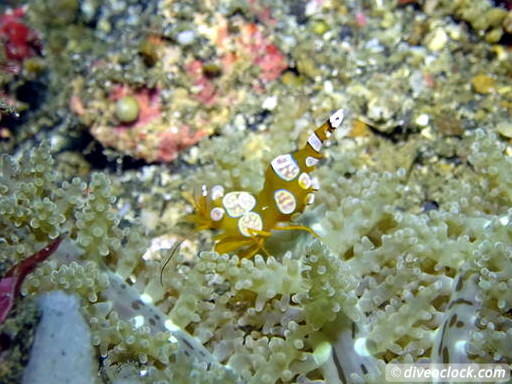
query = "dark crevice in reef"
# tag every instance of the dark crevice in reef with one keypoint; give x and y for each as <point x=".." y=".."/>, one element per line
<point x="105" y="159"/>
<point x="397" y="135"/>
<point x="33" y="94"/>
<point x="95" y="154"/>
<point x="256" y="120"/>
<point x="506" y="4"/>
<point x="506" y="39"/>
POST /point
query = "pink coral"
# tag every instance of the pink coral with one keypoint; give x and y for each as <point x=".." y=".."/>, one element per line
<point x="171" y="143"/>
<point x="271" y="61"/>
<point x="207" y="90"/>
<point x="76" y="105"/>
<point x="361" y="19"/>
<point x="250" y="45"/>
<point x="263" y="13"/>
<point x="265" y="55"/>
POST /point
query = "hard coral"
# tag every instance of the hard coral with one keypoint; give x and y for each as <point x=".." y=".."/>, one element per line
<point x="197" y="74"/>
<point x="249" y="48"/>
<point x="262" y="12"/>
<point x="171" y="143"/>
<point x="252" y="44"/>
<point x="206" y="88"/>
<point x="148" y="136"/>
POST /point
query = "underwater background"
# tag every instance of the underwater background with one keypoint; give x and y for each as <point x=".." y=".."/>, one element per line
<point x="115" y="113"/>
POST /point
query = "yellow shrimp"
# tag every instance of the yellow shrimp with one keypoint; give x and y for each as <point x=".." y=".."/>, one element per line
<point x="245" y="221"/>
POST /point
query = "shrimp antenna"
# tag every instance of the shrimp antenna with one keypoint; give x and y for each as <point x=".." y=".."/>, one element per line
<point x="175" y="248"/>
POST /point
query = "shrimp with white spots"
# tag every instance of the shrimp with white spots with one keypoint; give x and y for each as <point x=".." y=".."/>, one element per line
<point x="244" y="220"/>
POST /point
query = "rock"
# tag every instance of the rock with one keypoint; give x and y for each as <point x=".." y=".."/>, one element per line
<point x="378" y="110"/>
<point x="483" y="84"/>
<point x="495" y="16"/>
<point x="319" y="27"/>
<point x="436" y="40"/>
<point x="270" y="103"/>
<point x="422" y="120"/>
<point x="62" y="352"/>
<point x="186" y="37"/>
<point x="505" y="129"/>
<point x="507" y="23"/>
<point x="494" y="35"/>
<point x="448" y="125"/>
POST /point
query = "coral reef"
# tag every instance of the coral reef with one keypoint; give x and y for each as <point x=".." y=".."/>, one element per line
<point x="489" y="20"/>
<point x="42" y="206"/>
<point x="224" y="61"/>
<point x="414" y="212"/>
<point x="314" y="311"/>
